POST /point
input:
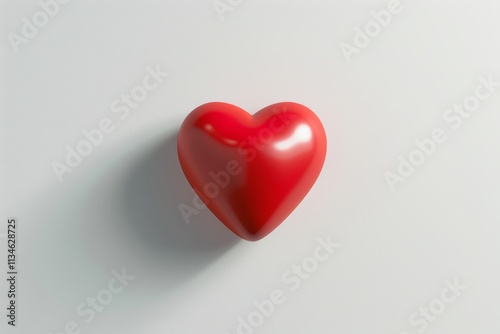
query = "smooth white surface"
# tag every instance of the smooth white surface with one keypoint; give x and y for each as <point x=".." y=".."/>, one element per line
<point x="118" y="208"/>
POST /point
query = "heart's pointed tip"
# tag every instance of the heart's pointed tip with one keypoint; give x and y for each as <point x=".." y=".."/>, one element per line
<point x="253" y="234"/>
<point x="252" y="238"/>
<point x="248" y="230"/>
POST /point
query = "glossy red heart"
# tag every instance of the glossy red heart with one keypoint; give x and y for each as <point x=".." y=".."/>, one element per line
<point x="251" y="171"/>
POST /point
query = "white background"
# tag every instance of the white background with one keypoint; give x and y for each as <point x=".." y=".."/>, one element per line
<point x="118" y="208"/>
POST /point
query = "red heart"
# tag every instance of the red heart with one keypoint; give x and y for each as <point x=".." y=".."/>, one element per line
<point x="251" y="171"/>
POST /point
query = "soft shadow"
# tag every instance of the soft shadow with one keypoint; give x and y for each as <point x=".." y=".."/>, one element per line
<point x="140" y="225"/>
<point x="156" y="186"/>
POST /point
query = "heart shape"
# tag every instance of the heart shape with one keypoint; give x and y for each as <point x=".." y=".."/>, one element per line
<point x="251" y="171"/>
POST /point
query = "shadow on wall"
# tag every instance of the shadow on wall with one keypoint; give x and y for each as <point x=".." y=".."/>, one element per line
<point x="135" y="222"/>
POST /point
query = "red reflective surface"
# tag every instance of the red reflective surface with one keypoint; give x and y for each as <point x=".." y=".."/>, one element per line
<point x="251" y="171"/>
